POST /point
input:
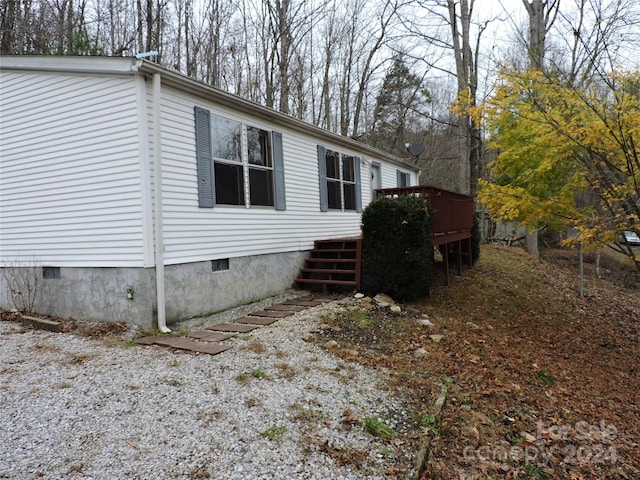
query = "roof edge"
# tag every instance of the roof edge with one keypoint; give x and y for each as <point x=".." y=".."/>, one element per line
<point x="132" y="65"/>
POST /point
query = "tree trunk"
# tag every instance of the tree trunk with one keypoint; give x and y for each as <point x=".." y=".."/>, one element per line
<point x="541" y="17"/>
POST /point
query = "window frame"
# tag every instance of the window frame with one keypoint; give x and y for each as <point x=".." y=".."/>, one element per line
<point x="330" y="184"/>
<point x="270" y="143"/>
<point x="403" y="178"/>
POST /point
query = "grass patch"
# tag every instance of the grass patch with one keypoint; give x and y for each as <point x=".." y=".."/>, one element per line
<point x="359" y="317"/>
<point x="259" y="373"/>
<point x="545" y="377"/>
<point x="303" y="414"/>
<point x="274" y="432"/>
<point x="377" y="428"/>
<point x="430" y="424"/>
<point x="242" y="377"/>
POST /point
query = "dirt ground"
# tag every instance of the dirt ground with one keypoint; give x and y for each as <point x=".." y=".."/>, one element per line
<point x="542" y="384"/>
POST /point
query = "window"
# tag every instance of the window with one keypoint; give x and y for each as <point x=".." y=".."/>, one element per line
<point x="260" y="167"/>
<point x="238" y="164"/>
<point x="339" y="181"/>
<point x="404" y="179"/>
<point x="228" y="171"/>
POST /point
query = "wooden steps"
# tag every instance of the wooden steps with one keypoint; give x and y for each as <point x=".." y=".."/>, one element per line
<point x="332" y="265"/>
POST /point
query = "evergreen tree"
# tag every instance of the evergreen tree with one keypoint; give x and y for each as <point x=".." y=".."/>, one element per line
<point x="399" y="111"/>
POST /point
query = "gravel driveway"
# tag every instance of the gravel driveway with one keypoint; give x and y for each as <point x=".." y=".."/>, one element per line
<point x="272" y="407"/>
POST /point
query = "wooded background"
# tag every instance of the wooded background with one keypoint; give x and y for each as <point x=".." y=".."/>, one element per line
<point x="386" y="72"/>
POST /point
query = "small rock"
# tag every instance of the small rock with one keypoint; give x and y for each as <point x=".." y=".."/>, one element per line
<point x="436" y="337"/>
<point x="413" y="311"/>
<point x="425" y="322"/>
<point x="331" y="344"/>
<point x="396" y="309"/>
<point x="382" y="298"/>
<point x="383" y="304"/>
<point x="359" y="295"/>
<point x="307" y="337"/>
<point x="481" y="418"/>
<point x="473" y="326"/>
<point x="420" y="353"/>
<point x="352" y="352"/>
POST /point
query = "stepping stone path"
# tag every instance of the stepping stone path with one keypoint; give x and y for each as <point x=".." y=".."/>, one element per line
<point x="209" y="340"/>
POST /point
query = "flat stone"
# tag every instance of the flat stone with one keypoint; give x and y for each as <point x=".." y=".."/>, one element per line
<point x="383" y="298"/>
<point x="147" y="340"/>
<point x="285" y="308"/>
<point x="271" y="313"/>
<point x="319" y="298"/>
<point x="436" y="337"/>
<point x="420" y="353"/>
<point x="209" y="336"/>
<point x="256" y="320"/>
<point x="396" y="309"/>
<point x="182" y="343"/>
<point x="42" y="323"/>
<point x="232" y="327"/>
<point x="359" y="295"/>
<point x="425" y="322"/>
<point x="473" y="326"/>
<point x="304" y="303"/>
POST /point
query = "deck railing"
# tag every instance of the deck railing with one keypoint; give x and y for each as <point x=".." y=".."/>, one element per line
<point x="452" y="212"/>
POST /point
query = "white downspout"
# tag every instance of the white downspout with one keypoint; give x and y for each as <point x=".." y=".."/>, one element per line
<point x="158" y="231"/>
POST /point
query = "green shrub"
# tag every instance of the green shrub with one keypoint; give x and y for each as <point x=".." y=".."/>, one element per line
<point x="397" y="250"/>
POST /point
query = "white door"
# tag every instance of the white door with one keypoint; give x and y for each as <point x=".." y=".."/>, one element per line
<point x="376" y="179"/>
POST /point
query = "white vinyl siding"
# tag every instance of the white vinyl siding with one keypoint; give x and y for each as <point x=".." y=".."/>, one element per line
<point x="77" y="178"/>
<point x="70" y="170"/>
<point x="193" y="234"/>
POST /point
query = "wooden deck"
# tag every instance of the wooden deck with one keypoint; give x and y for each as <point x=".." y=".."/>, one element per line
<point x="451" y="222"/>
<point x="335" y="264"/>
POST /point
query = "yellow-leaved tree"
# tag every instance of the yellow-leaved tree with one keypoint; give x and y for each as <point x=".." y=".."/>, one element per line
<point x="567" y="157"/>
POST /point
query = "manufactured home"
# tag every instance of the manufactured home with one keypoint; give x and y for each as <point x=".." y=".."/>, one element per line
<point x="130" y="192"/>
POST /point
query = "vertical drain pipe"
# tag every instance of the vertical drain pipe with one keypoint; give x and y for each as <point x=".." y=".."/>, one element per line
<point x="157" y="189"/>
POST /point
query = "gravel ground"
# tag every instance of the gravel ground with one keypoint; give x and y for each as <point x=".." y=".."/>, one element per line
<point x="72" y="407"/>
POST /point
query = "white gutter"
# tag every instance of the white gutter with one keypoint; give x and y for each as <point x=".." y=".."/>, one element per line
<point x="158" y="233"/>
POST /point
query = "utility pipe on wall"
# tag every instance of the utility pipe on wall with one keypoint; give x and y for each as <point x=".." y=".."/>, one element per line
<point x="157" y="184"/>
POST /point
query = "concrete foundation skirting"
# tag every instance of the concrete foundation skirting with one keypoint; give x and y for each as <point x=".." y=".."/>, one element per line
<point x="128" y="294"/>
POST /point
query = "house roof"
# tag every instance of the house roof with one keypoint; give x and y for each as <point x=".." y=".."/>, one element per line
<point x="132" y="66"/>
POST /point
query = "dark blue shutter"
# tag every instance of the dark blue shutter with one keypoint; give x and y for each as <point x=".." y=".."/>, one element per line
<point x="398" y="178"/>
<point x="358" y="186"/>
<point x="278" y="170"/>
<point x="322" y="171"/>
<point x="206" y="197"/>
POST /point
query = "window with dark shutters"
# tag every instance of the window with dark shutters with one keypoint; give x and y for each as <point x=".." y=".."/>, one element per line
<point x="339" y="176"/>
<point x="230" y="155"/>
